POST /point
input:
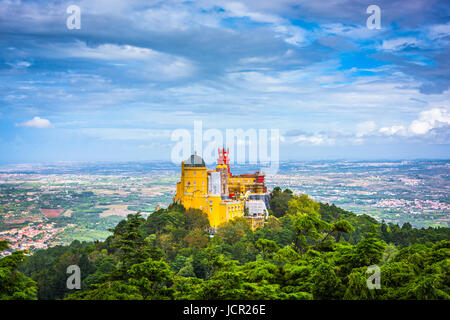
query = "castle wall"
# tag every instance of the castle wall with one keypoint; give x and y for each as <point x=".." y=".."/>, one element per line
<point x="208" y="191"/>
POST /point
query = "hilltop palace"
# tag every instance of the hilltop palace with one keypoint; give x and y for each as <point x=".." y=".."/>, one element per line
<point x="220" y="194"/>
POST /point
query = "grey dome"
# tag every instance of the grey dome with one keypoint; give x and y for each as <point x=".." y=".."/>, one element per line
<point x="194" y="161"/>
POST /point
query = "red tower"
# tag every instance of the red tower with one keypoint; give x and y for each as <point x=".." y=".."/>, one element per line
<point x="223" y="158"/>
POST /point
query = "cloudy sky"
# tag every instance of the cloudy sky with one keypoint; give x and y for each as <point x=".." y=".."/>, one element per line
<point x="135" y="71"/>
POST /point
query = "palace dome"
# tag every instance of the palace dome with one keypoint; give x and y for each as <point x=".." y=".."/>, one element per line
<point x="194" y="161"/>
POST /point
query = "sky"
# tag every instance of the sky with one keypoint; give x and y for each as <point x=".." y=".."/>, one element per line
<point x="135" y="71"/>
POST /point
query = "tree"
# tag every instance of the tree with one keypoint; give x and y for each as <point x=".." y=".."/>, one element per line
<point x="196" y="219"/>
<point x="369" y="251"/>
<point x="153" y="278"/>
<point x="309" y="229"/>
<point x="130" y="243"/>
<point x="188" y="269"/>
<point x="103" y="266"/>
<point x="232" y="231"/>
<point x="302" y="205"/>
<point x="110" y="290"/>
<point x="3" y="245"/>
<point x="260" y="270"/>
<point x="356" y="288"/>
<point x="197" y="238"/>
<point x="325" y="283"/>
<point x="187" y="288"/>
<point x="164" y="220"/>
<point x="14" y="285"/>
<point x="244" y="251"/>
<point x="224" y="285"/>
<point x="279" y="201"/>
<point x="427" y="287"/>
<point x="267" y="247"/>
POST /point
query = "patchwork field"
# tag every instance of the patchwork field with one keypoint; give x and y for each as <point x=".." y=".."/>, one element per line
<point x="115" y="210"/>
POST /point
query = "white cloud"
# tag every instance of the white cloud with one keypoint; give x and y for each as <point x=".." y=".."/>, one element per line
<point x="154" y="64"/>
<point x="292" y="34"/>
<point x="399" y="43"/>
<point x="110" y="52"/>
<point x="365" y="128"/>
<point x="354" y="32"/>
<point x="36" y="122"/>
<point x="428" y="120"/>
<point x="174" y="17"/>
<point x="238" y="9"/>
<point x="19" y="64"/>
<point x="392" y="130"/>
<point x="439" y="31"/>
<point x="317" y="139"/>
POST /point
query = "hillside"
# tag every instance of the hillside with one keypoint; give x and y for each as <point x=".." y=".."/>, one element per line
<point x="306" y="250"/>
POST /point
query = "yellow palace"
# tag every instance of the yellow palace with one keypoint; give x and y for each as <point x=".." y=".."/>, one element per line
<point x="220" y="194"/>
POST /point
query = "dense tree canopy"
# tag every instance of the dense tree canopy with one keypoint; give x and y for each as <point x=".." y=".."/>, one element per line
<point x="306" y="250"/>
<point x="14" y="285"/>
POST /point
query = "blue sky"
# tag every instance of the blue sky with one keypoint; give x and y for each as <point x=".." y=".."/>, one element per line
<point x="138" y="70"/>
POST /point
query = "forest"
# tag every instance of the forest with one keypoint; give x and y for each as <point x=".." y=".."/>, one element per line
<point x="306" y="250"/>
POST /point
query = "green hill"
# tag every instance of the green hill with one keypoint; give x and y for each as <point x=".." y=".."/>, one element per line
<point x="306" y="250"/>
